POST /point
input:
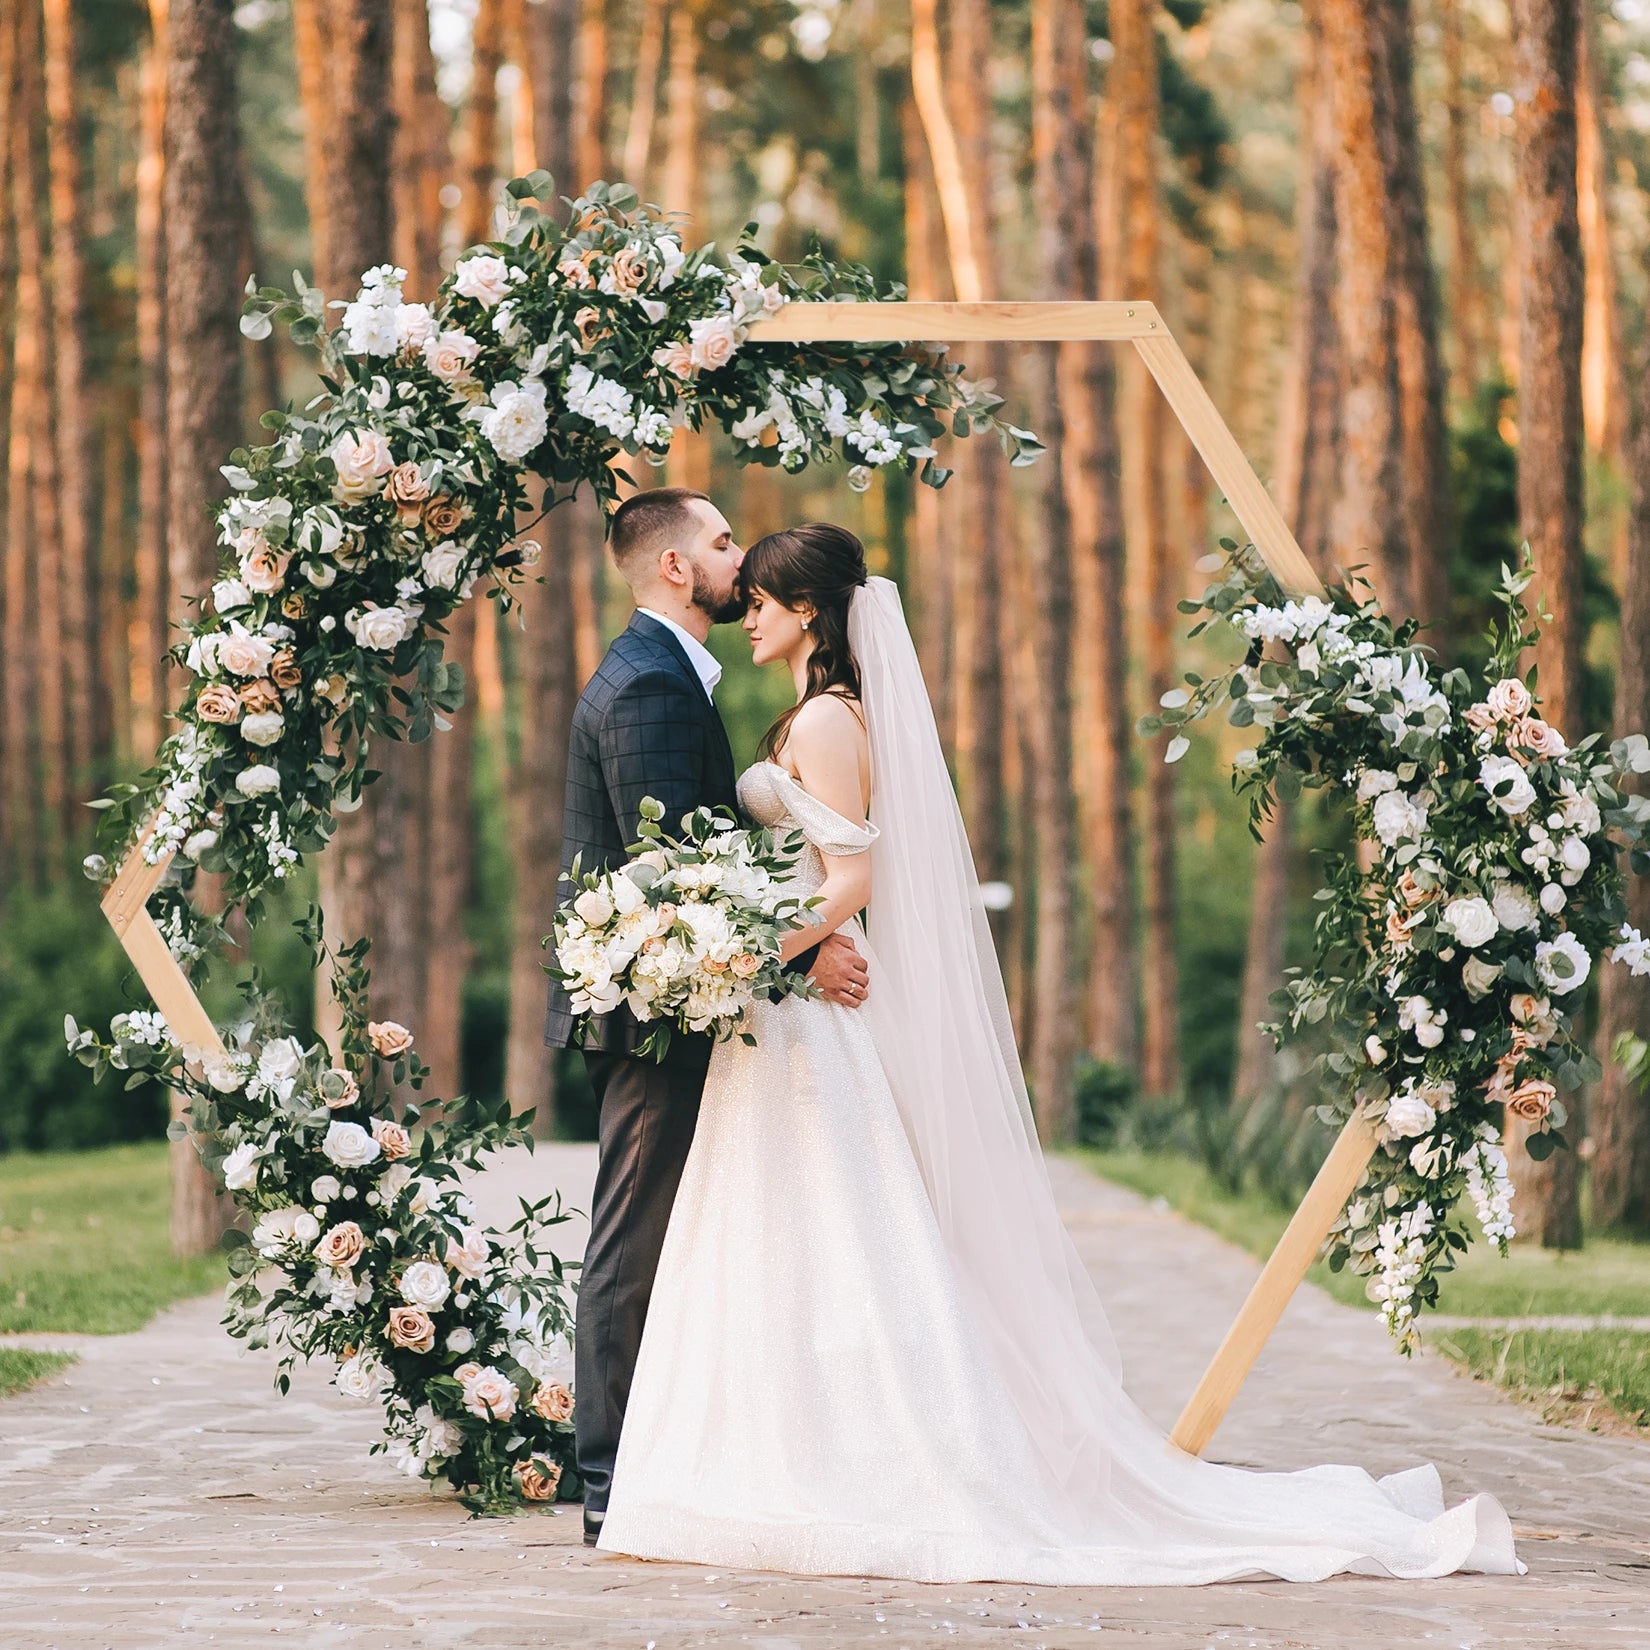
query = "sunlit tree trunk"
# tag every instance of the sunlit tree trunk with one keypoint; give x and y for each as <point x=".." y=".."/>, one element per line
<point x="1620" y="1109"/>
<point x="86" y="727"/>
<point x="644" y="94"/>
<point x="1466" y="302"/>
<point x="148" y="630"/>
<point x="590" y="146"/>
<point x="547" y="661"/>
<point x="1054" y="1024"/>
<point x="203" y="402"/>
<point x="1132" y="268"/>
<point x="1601" y="386"/>
<point x="1549" y="454"/>
<point x="422" y="151"/>
<point x="689" y="464"/>
<point x="1308" y="431"/>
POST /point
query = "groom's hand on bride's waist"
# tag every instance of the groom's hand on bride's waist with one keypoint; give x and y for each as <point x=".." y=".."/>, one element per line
<point x="840" y="971"/>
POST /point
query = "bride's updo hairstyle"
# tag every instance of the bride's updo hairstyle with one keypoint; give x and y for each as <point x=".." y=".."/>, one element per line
<point x="817" y="565"/>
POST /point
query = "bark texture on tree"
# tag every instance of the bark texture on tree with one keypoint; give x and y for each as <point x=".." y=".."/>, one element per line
<point x="547" y="659"/>
<point x="1545" y="36"/>
<point x="1132" y="268"/>
<point x="203" y="399"/>
<point x="1602" y="392"/>
<point x="1466" y="302"/>
<point x="644" y="95"/>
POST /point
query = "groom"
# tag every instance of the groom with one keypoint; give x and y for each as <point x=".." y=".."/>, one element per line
<point x="645" y="726"/>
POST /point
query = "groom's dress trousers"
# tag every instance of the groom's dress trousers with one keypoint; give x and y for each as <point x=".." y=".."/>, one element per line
<point x="645" y="726"/>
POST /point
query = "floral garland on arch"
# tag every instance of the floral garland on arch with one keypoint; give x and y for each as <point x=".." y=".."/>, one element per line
<point x="347" y="541"/>
<point x="1450" y="968"/>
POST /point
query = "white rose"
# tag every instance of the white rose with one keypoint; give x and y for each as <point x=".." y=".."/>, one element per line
<point x="1478" y="976"/>
<point x="265" y="727"/>
<point x="228" y="594"/>
<point x="305" y="1227"/>
<point x="484" y="277"/>
<point x="1562" y="964"/>
<point x="1580" y="809"/>
<point x="516" y="422"/>
<point x="276" y="1227"/>
<point x="1508" y="785"/>
<point x="349" y="1146"/>
<point x="593" y="907"/>
<point x="280" y="1058"/>
<point x="361" y="1377"/>
<point x="1553" y="899"/>
<point x="1514" y="909"/>
<point x="1374" y="782"/>
<point x="712" y="341"/>
<point x="240" y="1167"/>
<point x="1428" y="1159"/>
<point x="258" y="780"/>
<point x="489" y="1390"/>
<point x="1409" y="1115"/>
<point x="199" y="843"/>
<point x="319" y="530"/>
<point x="461" y="1340"/>
<point x="1375" y="1049"/>
<point x="393" y="1181"/>
<point x="1575" y="857"/>
<point x="451" y="355"/>
<point x="441" y="565"/>
<point x="425" y="1284"/>
<point x="378" y="628"/>
<point x="413" y="325"/>
<point x="1472" y="921"/>
<point x="1398" y="816"/>
<point x="362" y="459"/>
<point x="325" y="1187"/>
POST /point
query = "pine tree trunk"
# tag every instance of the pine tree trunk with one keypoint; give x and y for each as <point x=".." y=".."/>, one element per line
<point x="203" y="403"/>
<point x="1602" y="392"/>
<point x="1054" y="1027"/>
<point x="1549" y="457"/>
<point x="1466" y="304"/>
<point x="1133" y="269"/>
<point x="590" y="147"/>
<point x="689" y="460"/>
<point x="644" y="94"/>
<point x="478" y="139"/>
<point x="548" y="665"/>
<point x="422" y="152"/>
<point x="86" y="708"/>
<point x="1620" y="1109"/>
<point x="151" y="693"/>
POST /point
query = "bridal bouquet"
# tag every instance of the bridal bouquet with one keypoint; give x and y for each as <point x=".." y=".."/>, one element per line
<point x="686" y="934"/>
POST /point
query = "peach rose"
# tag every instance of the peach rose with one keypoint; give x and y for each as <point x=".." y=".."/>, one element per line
<point x="468" y="1256"/>
<point x="264" y="570"/>
<point x="553" y="1402"/>
<point x="1508" y="700"/>
<point x="1480" y="718"/>
<point x="340" y="1246"/>
<point x="590" y="325"/>
<point x="466" y="1372"/>
<point x="283" y="668"/>
<point x="243" y="655"/>
<point x="392" y="1138"/>
<point x="338" y="1088"/>
<point x="260" y="696"/>
<point x="1526" y="1006"/>
<point x="1412" y="893"/>
<point x="538" y="1478"/>
<point x="1531" y="733"/>
<point x="676" y="358"/>
<point x="745" y="965"/>
<point x="218" y="703"/>
<point x="410" y="1327"/>
<point x="490" y="1394"/>
<point x="1498" y="1090"/>
<point x="1398" y="935"/>
<point x="575" y="274"/>
<point x="443" y="516"/>
<point x="406" y="488"/>
<point x="629" y="272"/>
<point x="1532" y="1100"/>
<point x="389" y="1038"/>
<point x="294" y="605"/>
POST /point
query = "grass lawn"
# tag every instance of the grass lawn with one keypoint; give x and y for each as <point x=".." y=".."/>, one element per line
<point x="84" y="1245"/>
<point x="19" y="1368"/>
<point x="1573" y="1375"/>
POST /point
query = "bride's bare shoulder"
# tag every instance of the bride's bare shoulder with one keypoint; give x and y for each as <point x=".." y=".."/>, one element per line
<point x="828" y="719"/>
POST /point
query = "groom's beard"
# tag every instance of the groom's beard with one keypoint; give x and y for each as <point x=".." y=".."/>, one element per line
<point x="727" y="609"/>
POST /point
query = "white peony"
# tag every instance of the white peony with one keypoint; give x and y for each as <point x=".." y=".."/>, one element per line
<point x="379" y="628"/>
<point x="461" y="1341"/>
<point x="240" y="1167"/>
<point x="593" y="907"/>
<point x="228" y="594"/>
<point x="425" y="1283"/>
<point x="1580" y="810"/>
<point x="349" y="1146"/>
<point x="1508" y="785"/>
<point x="1472" y="921"/>
<point x="280" y="1059"/>
<point x="1398" y="816"/>
<point x="1409" y="1115"/>
<point x="484" y="277"/>
<point x="517" y="421"/>
<point x="275" y="1228"/>
<point x="441" y="565"/>
<point x="264" y="727"/>
<point x="1562" y="964"/>
<point x="1514" y="909"/>
<point x="258" y="780"/>
<point x="1374" y="782"/>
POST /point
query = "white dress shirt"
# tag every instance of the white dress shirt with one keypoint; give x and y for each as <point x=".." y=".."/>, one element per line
<point x="700" y="657"/>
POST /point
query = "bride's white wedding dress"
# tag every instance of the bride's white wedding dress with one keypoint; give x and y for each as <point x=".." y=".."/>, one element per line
<point x="868" y="1350"/>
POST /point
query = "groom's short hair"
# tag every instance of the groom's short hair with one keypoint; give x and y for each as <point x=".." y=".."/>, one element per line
<point x="644" y="526"/>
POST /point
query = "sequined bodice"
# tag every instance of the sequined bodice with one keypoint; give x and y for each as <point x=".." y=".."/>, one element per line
<point x="771" y="797"/>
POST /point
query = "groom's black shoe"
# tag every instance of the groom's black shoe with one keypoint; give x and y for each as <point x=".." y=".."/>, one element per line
<point x="592" y="1528"/>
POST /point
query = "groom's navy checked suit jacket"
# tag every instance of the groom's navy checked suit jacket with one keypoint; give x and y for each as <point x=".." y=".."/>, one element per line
<point x="644" y="726"/>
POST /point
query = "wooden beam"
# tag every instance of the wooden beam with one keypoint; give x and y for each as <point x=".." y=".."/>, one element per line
<point x="168" y="985"/>
<point x="1016" y="323"/>
<point x="1334" y="1183"/>
<point x="136" y="880"/>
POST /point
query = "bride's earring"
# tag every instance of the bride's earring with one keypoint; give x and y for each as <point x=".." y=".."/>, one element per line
<point x="806" y="623"/>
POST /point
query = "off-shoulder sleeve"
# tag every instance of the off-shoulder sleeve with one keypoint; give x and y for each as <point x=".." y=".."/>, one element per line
<point x="824" y="827"/>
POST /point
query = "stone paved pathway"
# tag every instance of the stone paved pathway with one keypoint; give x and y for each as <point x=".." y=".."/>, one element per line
<point x="161" y="1493"/>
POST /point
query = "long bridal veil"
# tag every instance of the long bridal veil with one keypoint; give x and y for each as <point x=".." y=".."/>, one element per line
<point x="1127" y="1505"/>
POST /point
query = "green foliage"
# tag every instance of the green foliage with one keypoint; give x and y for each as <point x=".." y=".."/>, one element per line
<point x="20" y="1368"/>
<point x="1570" y="1373"/>
<point x="1104" y="1093"/>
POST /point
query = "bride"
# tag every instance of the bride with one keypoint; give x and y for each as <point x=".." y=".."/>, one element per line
<point x="872" y="1348"/>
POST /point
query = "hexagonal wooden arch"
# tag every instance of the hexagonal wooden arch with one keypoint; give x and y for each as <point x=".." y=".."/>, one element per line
<point x="1139" y="324"/>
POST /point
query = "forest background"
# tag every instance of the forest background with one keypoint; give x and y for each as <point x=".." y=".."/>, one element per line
<point x="1403" y="244"/>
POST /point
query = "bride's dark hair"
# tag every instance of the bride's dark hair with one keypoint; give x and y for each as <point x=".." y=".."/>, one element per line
<point x="817" y="565"/>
